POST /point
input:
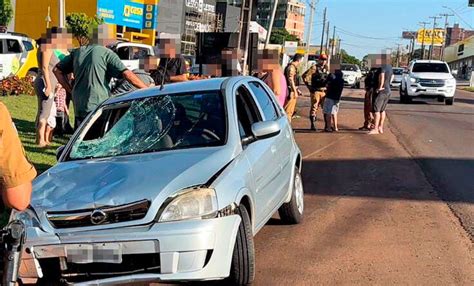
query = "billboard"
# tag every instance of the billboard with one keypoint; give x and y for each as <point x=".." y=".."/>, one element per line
<point x="426" y="36"/>
<point x="408" y="35"/>
<point x="130" y="13"/>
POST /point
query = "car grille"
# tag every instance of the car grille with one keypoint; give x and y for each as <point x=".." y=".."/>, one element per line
<point x="104" y="215"/>
<point x="432" y="82"/>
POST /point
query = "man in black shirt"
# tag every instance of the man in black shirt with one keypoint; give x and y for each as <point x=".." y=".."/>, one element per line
<point x="382" y="96"/>
<point x="370" y="85"/>
<point x="172" y="67"/>
<point x="335" y="86"/>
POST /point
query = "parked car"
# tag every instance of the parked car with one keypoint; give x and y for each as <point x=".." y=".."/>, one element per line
<point x="352" y="75"/>
<point x="429" y="79"/>
<point x="169" y="185"/>
<point x="17" y="56"/>
<point x="131" y="53"/>
<point x="397" y="77"/>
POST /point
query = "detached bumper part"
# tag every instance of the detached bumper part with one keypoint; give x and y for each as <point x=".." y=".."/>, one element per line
<point x="188" y="251"/>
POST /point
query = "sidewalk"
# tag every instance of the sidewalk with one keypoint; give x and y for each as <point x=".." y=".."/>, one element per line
<point x="371" y="217"/>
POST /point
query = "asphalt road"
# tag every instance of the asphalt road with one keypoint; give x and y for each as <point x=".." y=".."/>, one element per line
<point x="383" y="209"/>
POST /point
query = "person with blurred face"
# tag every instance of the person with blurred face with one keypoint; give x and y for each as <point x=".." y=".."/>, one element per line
<point x="53" y="47"/>
<point x="291" y="75"/>
<point x="172" y="67"/>
<point x="93" y="66"/>
<point x="273" y="75"/>
<point x="147" y="64"/>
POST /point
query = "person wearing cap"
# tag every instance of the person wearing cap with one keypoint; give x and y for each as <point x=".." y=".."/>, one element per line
<point x="291" y="75"/>
<point x="16" y="173"/>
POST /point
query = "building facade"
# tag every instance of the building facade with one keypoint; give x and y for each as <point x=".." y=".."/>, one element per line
<point x="290" y="15"/>
<point x="456" y="34"/>
<point x="460" y="55"/>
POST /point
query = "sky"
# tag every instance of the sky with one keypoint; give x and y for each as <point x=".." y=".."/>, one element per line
<point x="383" y="20"/>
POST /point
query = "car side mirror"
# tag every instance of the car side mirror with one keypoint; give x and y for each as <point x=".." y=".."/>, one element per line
<point x="59" y="152"/>
<point x="265" y="129"/>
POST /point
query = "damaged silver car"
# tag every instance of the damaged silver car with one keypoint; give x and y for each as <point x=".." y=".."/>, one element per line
<point x="165" y="185"/>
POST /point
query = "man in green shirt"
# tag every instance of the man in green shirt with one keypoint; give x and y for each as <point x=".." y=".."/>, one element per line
<point x="93" y="67"/>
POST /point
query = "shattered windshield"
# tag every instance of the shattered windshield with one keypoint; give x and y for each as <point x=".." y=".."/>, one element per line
<point x="153" y="124"/>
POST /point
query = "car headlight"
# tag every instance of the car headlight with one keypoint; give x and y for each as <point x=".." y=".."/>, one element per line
<point x="195" y="203"/>
<point x="451" y="81"/>
<point x="414" y="80"/>
<point x="28" y="217"/>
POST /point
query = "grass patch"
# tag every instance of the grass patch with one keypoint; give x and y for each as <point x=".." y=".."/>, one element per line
<point x="471" y="89"/>
<point x="23" y="111"/>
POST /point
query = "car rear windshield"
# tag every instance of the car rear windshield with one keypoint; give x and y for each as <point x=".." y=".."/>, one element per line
<point x="160" y="123"/>
<point x="349" y="67"/>
<point x="430" y="67"/>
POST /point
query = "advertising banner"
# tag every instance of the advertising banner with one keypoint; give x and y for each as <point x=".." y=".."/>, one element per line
<point x="438" y="35"/>
<point x="130" y="13"/>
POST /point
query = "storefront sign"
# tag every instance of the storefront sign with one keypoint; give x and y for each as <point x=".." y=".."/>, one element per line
<point x="200" y="6"/>
<point x="129" y="13"/>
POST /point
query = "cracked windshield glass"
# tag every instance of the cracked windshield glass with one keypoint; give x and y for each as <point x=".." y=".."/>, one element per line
<point x="152" y="124"/>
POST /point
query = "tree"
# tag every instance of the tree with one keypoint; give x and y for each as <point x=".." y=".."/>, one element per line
<point x="348" y="59"/>
<point x="6" y="12"/>
<point x="280" y="35"/>
<point x="82" y="26"/>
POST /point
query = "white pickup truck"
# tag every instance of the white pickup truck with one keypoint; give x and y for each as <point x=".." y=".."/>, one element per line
<point x="429" y="79"/>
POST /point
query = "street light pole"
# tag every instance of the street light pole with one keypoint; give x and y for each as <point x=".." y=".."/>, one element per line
<point x="322" y="34"/>
<point x="333" y="40"/>
<point x="312" y="6"/>
<point x="247" y="40"/>
<point x="433" y="35"/>
<point x="423" y="40"/>
<point x="270" y="26"/>
<point x="327" y="38"/>
<point x="62" y="13"/>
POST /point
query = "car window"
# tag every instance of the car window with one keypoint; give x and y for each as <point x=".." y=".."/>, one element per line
<point x="139" y="53"/>
<point x="13" y="47"/>
<point x="28" y="45"/>
<point x="1" y="46"/>
<point x="247" y="112"/>
<point x="430" y="67"/>
<point x="180" y="121"/>
<point x="264" y="101"/>
<point x="123" y="53"/>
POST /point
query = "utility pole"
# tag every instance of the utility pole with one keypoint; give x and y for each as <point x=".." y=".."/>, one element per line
<point x="433" y="35"/>
<point x="423" y="40"/>
<point x="327" y="38"/>
<point x="62" y="13"/>
<point x="312" y="6"/>
<point x="241" y="24"/>
<point x="445" y="32"/>
<point x="333" y="40"/>
<point x="247" y="40"/>
<point x="398" y="55"/>
<point x="270" y="26"/>
<point x="322" y="34"/>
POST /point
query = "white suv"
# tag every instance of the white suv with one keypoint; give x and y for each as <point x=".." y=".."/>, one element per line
<point x="426" y="78"/>
<point x="352" y="75"/>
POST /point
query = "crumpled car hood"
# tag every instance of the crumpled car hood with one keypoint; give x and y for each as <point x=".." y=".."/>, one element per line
<point x="88" y="184"/>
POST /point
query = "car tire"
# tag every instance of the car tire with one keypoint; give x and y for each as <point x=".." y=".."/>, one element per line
<point x="449" y="101"/>
<point x="440" y="99"/>
<point x="292" y="212"/>
<point x="358" y="85"/>
<point x="33" y="74"/>
<point x="242" y="270"/>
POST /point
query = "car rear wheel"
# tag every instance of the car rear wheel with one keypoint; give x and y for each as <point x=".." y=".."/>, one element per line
<point x="242" y="271"/>
<point x="449" y="101"/>
<point x="292" y="212"/>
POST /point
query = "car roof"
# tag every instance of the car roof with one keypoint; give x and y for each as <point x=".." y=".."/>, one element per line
<point x="429" y="61"/>
<point x="14" y="36"/>
<point x="173" y="88"/>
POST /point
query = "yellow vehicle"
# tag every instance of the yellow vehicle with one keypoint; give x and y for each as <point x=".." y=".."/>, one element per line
<point x="17" y="56"/>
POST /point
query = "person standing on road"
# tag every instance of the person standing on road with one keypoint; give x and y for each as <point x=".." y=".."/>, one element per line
<point x="172" y="65"/>
<point x="381" y="99"/>
<point x="335" y="86"/>
<point x="370" y="84"/>
<point x="93" y="66"/>
<point x="291" y="75"/>
<point x="273" y="75"/>
<point x="16" y="173"/>
<point x="318" y="85"/>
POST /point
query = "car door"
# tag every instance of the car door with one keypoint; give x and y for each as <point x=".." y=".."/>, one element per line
<point x="270" y="110"/>
<point x="261" y="154"/>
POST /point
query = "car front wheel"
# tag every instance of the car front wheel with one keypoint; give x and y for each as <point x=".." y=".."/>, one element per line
<point x="449" y="101"/>
<point x="292" y="212"/>
<point x="242" y="271"/>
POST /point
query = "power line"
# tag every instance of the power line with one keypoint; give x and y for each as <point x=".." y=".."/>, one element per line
<point x="363" y="36"/>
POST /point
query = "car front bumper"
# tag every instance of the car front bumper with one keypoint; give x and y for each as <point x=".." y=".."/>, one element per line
<point x="417" y="90"/>
<point x="188" y="250"/>
<point x="350" y="81"/>
<point x="395" y="84"/>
